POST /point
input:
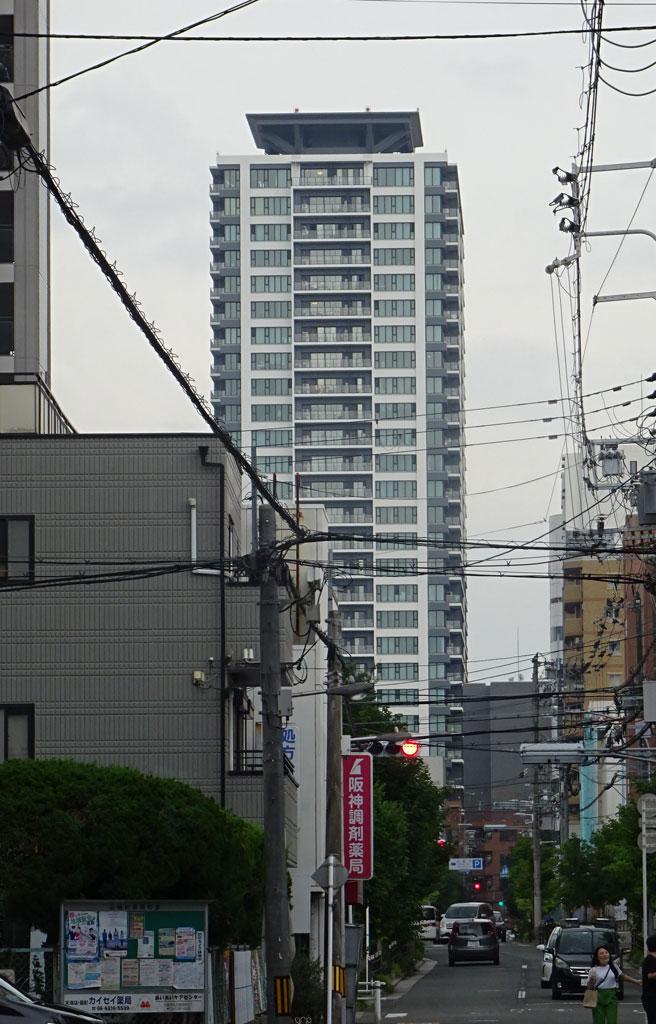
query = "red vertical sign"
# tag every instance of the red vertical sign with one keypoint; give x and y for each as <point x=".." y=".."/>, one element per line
<point x="358" y="804"/>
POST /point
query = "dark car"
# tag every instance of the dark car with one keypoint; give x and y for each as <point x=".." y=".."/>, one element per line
<point x="17" y="1008"/>
<point x="567" y="957"/>
<point x="472" y="941"/>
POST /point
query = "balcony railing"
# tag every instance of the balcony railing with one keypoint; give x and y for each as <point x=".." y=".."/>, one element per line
<point x="338" y="515"/>
<point x="328" y="465"/>
<point x="319" y="337"/>
<point x="335" y="309"/>
<point x="316" y="208"/>
<point x="331" y="231"/>
<point x="329" y="258"/>
<point x="331" y="361"/>
<point x="334" y="180"/>
<point x="332" y="284"/>
<point x="329" y="413"/>
<point x="333" y="388"/>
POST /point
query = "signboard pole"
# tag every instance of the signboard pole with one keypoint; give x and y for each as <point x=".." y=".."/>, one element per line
<point x="330" y="907"/>
<point x="643" y="826"/>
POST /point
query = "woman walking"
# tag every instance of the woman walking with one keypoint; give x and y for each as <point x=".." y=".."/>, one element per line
<point x="604" y="980"/>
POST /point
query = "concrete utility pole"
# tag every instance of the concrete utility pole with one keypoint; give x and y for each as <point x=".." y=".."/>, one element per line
<point x="276" y="903"/>
<point x="334" y="814"/>
<point x="537" y="857"/>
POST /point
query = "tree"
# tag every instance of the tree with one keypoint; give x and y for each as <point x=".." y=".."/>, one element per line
<point x="81" y="831"/>
<point x="520" y="881"/>
<point x="577" y="882"/>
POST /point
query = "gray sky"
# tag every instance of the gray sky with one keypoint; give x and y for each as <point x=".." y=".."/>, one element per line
<point x="133" y="144"/>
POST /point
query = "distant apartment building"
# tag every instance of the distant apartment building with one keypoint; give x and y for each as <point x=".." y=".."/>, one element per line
<point x="338" y="356"/>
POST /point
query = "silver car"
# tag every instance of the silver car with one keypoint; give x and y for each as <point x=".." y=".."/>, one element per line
<point x="463" y="912"/>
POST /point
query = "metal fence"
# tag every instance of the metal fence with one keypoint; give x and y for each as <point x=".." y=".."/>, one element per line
<point x="33" y="971"/>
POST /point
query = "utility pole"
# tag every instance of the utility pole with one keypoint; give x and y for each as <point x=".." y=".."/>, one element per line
<point x="334" y="815"/>
<point x="537" y="859"/>
<point x="276" y="903"/>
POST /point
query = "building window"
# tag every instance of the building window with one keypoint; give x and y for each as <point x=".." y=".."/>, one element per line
<point x="397" y="645"/>
<point x="271" y="177"/>
<point x="16" y="732"/>
<point x="271" y="283"/>
<point x="270" y="232"/>
<point x="228" y="207"/>
<point x="230" y="388"/>
<point x="228" y="177"/>
<point x="396" y="386"/>
<point x="436" y="619"/>
<point x="274" y="413"/>
<point x="394" y="307"/>
<point x="271" y="386"/>
<point x="435" y="489"/>
<point x="228" y="233"/>
<point x="396" y="438"/>
<point x="433" y="282"/>
<point x="271" y="360"/>
<point x="386" y="176"/>
<point x="402" y="619"/>
<point x="16" y="549"/>
<point x="396" y="411"/>
<point x="397" y="593"/>
<point x="433" y="229"/>
<point x="229" y="258"/>
<point x="272" y="438"/>
<point x="434" y="385"/>
<point x="393" y="670"/>
<point x="405" y="696"/>
<point x="394" y="257"/>
<point x="434" y="361"/>
<point x="392" y="335"/>
<point x="271" y="257"/>
<point x="396" y="463"/>
<point x="6" y="319"/>
<point x="394" y="282"/>
<point x="432" y="176"/>
<point x="398" y="514"/>
<point x="436" y="645"/>
<point x="433" y="333"/>
<point x="391" y="230"/>
<point x="6" y="226"/>
<point x="270" y="206"/>
<point x="274" y="463"/>
<point x="271" y="335"/>
<point x="433" y="204"/>
<point x="271" y="310"/>
<point x="394" y="204"/>
<point x="404" y="360"/>
<point x="396" y="488"/>
<point x="436" y="592"/>
<point x="397" y="567"/>
<point x="433" y="307"/>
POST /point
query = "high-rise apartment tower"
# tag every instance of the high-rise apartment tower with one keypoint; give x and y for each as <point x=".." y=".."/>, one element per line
<point x="337" y="353"/>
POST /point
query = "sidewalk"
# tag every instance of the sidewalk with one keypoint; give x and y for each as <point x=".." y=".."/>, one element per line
<point x="366" y="1016"/>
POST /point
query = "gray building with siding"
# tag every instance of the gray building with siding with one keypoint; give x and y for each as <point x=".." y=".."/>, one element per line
<point x="103" y="622"/>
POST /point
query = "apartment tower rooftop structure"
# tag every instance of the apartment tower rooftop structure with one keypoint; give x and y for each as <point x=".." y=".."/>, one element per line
<point x="337" y="354"/>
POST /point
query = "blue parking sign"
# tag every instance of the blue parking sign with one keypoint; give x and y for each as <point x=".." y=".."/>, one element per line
<point x="477" y="863"/>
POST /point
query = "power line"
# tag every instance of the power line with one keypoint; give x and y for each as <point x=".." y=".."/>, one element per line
<point x="152" y="41"/>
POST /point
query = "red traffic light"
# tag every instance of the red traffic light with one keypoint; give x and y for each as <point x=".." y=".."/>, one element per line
<point x="477" y="886"/>
<point x="410" y="748"/>
<point x="441" y="841"/>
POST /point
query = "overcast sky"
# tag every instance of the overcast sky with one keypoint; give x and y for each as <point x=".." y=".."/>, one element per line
<point x="133" y="143"/>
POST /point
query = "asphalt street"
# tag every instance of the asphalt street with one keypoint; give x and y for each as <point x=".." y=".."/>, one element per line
<point x="485" y="994"/>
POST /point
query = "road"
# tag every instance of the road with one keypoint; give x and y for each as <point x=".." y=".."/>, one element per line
<point x="485" y="994"/>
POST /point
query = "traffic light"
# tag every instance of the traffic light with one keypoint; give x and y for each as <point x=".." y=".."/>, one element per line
<point x="387" y="746"/>
<point x="441" y="842"/>
<point x="500" y="903"/>
<point x="477" y="885"/>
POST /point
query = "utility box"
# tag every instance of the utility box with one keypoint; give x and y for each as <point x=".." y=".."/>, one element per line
<point x="647" y="498"/>
<point x="649" y="700"/>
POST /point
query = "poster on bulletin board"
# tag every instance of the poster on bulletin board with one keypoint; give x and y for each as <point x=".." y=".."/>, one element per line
<point x="124" y="956"/>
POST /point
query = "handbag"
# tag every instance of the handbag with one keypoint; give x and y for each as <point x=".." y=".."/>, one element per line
<point x="590" y="998"/>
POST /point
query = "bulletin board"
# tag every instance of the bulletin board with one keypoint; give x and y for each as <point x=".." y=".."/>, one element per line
<point x="134" y="957"/>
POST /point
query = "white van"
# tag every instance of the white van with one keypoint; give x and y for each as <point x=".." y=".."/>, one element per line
<point x="429" y="923"/>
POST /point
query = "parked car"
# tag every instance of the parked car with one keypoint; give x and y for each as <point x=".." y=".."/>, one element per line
<point x="430" y="923"/>
<point x="15" y="1007"/>
<point x="501" y="925"/>
<point x="473" y="941"/>
<point x="463" y="912"/>
<point x="567" y="956"/>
